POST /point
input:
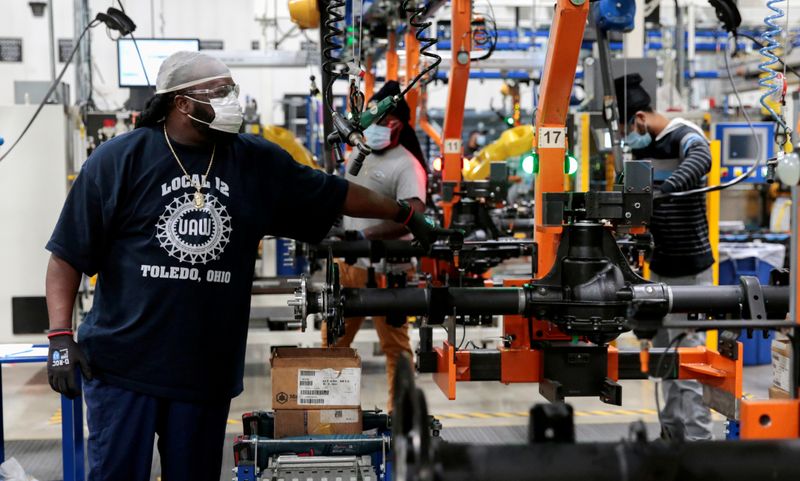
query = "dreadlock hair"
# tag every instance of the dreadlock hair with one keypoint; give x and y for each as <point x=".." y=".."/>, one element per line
<point x="155" y="110"/>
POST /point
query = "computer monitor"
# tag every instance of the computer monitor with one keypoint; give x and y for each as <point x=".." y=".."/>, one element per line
<point x="153" y="51"/>
<point x="740" y="148"/>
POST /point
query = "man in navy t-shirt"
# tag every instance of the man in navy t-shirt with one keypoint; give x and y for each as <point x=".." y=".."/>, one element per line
<point x="169" y="217"/>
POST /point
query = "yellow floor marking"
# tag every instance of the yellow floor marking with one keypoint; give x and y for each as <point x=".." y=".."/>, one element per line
<point x="454" y="416"/>
<point x="481" y="415"/>
<point x="524" y="414"/>
<point x="580" y="413"/>
<point x="601" y="413"/>
<point x="55" y="418"/>
<point x="234" y="421"/>
<point x="504" y="415"/>
<point x="625" y="411"/>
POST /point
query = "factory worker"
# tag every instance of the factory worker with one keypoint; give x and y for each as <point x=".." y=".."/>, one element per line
<point x="169" y="217"/>
<point x="397" y="169"/>
<point x="682" y="253"/>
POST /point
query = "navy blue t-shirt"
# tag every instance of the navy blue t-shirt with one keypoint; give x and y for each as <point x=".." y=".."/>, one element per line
<point x="172" y="300"/>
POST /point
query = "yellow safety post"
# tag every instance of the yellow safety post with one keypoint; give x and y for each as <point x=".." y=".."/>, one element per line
<point x="713" y="207"/>
<point x="585" y="153"/>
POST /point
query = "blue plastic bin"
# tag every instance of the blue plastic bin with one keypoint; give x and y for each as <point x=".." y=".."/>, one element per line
<point x="751" y="259"/>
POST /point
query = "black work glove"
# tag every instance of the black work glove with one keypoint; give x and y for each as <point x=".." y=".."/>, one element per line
<point x="63" y="360"/>
<point x="424" y="230"/>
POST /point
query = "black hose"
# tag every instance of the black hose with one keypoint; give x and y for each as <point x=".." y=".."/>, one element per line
<point x="425" y="43"/>
<point x="52" y="89"/>
<point x="332" y="43"/>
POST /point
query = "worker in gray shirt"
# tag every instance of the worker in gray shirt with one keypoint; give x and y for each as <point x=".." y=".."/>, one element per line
<point x="397" y="169"/>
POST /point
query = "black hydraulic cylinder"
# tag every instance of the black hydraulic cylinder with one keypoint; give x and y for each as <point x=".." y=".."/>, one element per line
<point x="626" y="461"/>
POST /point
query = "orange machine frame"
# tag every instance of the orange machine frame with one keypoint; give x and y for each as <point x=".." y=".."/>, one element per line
<point x="424" y="124"/>
<point x="758" y="417"/>
<point x="392" y="58"/>
<point x="452" y="148"/>
<point x="369" y="79"/>
<point x="412" y="70"/>
<point x="566" y="34"/>
<point x="519" y="363"/>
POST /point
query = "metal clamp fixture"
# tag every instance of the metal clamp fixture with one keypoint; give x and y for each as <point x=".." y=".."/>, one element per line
<point x="299" y="301"/>
<point x="326" y="302"/>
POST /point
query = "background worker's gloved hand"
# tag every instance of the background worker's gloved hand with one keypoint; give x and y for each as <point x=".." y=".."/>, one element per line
<point x="424" y="230"/>
<point x="63" y="360"/>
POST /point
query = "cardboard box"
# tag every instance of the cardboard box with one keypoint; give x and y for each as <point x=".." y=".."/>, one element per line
<point x="781" y="365"/>
<point x="316" y="378"/>
<point x="296" y="422"/>
<point x="778" y="393"/>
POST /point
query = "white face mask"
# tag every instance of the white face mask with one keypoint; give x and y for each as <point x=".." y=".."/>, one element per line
<point x="228" y="114"/>
<point x="378" y="137"/>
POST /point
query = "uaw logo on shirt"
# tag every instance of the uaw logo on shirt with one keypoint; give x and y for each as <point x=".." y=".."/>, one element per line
<point x="194" y="235"/>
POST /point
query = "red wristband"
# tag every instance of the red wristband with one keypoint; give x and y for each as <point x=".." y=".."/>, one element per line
<point x="60" y="333"/>
<point x="410" y="213"/>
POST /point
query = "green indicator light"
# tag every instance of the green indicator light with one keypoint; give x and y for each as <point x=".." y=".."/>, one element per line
<point x="570" y="164"/>
<point x="528" y="163"/>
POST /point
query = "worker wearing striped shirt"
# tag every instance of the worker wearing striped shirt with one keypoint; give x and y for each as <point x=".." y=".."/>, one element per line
<point x="682" y="255"/>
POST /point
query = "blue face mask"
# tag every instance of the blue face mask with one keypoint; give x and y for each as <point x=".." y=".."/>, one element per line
<point x="378" y="137"/>
<point x="635" y="140"/>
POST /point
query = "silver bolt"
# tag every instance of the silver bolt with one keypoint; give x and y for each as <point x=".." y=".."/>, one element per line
<point x="627" y="215"/>
<point x="637" y="205"/>
<point x="649" y="289"/>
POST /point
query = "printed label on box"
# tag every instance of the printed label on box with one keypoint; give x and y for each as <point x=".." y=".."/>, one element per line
<point x="338" y="416"/>
<point x="781" y="370"/>
<point x="329" y="387"/>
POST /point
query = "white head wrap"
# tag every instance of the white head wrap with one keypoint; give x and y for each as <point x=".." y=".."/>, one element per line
<point x="186" y="69"/>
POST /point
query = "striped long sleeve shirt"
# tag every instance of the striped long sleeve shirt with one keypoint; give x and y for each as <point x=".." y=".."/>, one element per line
<point x="681" y="160"/>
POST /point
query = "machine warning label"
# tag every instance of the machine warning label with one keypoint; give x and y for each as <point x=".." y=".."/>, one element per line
<point x="452" y="146"/>
<point x="552" y="138"/>
<point x="329" y="387"/>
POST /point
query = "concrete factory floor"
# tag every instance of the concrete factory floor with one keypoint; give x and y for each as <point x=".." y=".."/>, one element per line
<point x="482" y="412"/>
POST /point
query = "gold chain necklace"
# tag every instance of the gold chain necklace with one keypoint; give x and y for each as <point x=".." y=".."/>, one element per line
<point x="199" y="197"/>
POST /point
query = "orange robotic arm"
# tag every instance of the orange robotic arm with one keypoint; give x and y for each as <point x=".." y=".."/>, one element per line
<point x="550" y="136"/>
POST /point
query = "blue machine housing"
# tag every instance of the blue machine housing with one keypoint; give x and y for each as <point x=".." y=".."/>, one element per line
<point x="615" y="15"/>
